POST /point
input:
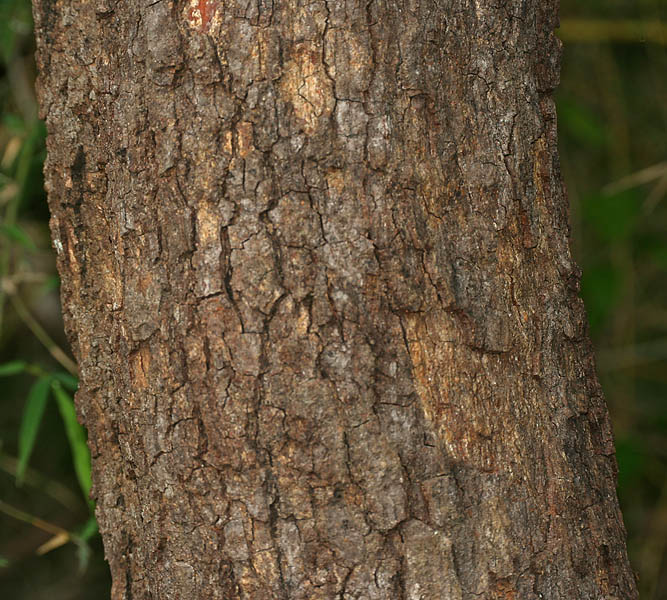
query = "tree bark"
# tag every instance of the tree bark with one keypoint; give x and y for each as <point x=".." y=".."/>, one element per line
<point x="316" y="276"/>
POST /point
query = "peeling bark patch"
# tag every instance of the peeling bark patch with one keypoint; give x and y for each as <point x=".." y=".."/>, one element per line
<point x="431" y="362"/>
<point x="206" y="258"/>
<point x="199" y="13"/>
<point x="306" y="85"/>
<point x="422" y="574"/>
<point x="455" y="400"/>
<point x="245" y="144"/>
<point x="140" y="363"/>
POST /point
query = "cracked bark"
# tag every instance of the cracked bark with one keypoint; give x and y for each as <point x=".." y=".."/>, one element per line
<point x="316" y="275"/>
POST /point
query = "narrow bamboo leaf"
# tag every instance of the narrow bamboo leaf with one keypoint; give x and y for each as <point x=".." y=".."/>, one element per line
<point x="13" y="123"/>
<point x="83" y="553"/>
<point x="32" y="418"/>
<point x="68" y="381"/>
<point x="88" y="529"/>
<point x="60" y="539"/>
<point x="12" y="368"/>
<point x="76" y="436"/>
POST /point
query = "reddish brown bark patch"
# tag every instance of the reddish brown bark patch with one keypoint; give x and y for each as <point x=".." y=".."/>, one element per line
<point x="199" y="14"/>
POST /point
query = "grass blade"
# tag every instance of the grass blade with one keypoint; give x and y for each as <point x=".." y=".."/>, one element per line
<point x="88" y="529"/>
<point x="67" y="380"/>
<point x="76" y="436"/>
<point x="56" y="541"/>
<point x="32" y="418"/>
<point x="86" y="532"/>
<point x="12" y="368"/>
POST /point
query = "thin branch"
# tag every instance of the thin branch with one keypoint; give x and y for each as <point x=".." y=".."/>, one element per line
<point x="40" y="333"/>
<point x="638" y="178"/>
<point x="20" y="515"/>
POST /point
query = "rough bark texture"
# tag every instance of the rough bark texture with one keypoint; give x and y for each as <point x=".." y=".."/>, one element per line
<point x="316" y="274"/>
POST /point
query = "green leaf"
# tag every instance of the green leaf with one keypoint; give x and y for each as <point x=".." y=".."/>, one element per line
<point x="69" y="381"/>
<point x="83" y="554"/>
<point x="14" y="123"/>
<point x="16" y="233"/>
<point x="15" y="24"/>
<point x="32" y="418"/>
<point x="76" y="436"/>
<point x="13" y="368"/>
<point x="3" y="562"/>
<point x="88" y="530"/>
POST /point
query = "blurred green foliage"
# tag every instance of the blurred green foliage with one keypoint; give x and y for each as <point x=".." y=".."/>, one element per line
<point x="612" y="106"/>
<point x="48" y="542"/>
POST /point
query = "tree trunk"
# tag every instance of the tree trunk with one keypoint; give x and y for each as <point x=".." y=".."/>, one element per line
<point x="316" y="275"/>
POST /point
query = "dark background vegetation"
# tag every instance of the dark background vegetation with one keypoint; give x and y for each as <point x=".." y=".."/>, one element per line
<point x="612" y="106"/>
